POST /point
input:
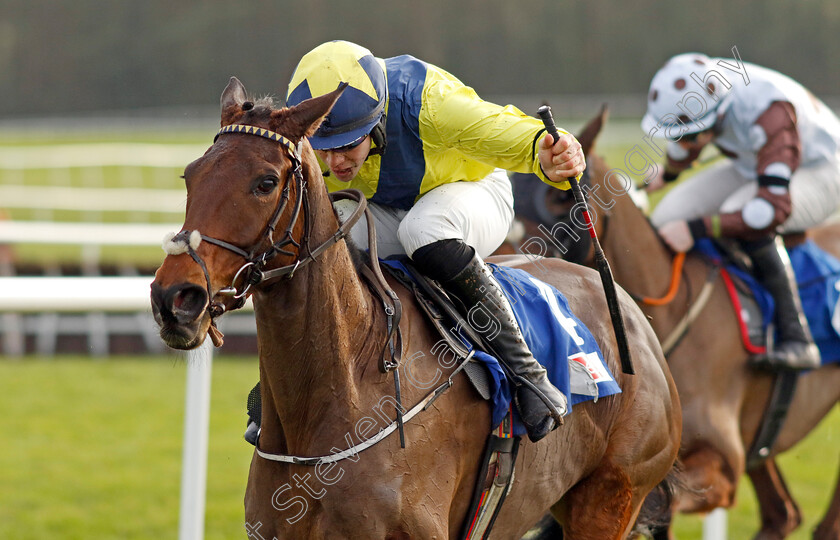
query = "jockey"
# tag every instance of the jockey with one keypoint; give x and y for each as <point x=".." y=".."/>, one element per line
<point x="782" y="174"/>
<point x="430" y="156"/>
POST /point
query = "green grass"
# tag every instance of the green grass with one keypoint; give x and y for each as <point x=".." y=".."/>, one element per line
<point x="92" y="449"/>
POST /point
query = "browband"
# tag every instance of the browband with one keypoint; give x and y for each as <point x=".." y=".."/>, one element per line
<point x="262" y="132"/>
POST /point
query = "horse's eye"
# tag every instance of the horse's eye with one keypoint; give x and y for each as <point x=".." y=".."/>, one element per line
<point x="266" y="185"/>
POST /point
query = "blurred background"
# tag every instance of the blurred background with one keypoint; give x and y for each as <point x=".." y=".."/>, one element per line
<point x="173" y="59"/>
<point x="104" y="103"/>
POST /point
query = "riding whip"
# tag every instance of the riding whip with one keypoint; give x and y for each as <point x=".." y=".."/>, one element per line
<point x="601" y="262"/>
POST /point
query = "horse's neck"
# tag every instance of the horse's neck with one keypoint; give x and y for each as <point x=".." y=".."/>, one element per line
<point x="317" y="334"/>
<point x="641" y="262"/>
<point x="640" y="257"/>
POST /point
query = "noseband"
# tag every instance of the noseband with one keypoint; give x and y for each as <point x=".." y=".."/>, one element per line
<point x="252" y="272"/>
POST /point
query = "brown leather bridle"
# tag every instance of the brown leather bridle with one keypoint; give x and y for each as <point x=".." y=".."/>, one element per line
<point x="252" y="271"/>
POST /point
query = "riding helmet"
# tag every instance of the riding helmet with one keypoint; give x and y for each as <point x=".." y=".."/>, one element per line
<point x="686" y="95"/>
<point x="360" y="108"/>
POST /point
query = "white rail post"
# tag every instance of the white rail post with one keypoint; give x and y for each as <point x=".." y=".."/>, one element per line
<point x="714" y="526"/>
<point x="196" y="427"/>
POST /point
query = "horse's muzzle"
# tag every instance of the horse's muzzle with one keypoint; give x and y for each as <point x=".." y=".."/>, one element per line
<point x="180" y="310"/>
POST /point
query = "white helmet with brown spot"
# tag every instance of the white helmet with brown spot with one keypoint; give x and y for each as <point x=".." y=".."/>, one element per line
<point x="685" y="96"/>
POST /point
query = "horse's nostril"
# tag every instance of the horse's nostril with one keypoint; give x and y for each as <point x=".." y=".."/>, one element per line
<point x="184" y="303"/>
<point x="187" y="303"/>
<point x="178" y="301"/>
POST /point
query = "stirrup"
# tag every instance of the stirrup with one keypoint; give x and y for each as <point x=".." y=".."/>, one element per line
<point x="788" y="356"/>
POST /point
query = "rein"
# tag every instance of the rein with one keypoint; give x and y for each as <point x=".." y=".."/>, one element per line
<point x="681" y="328"/>
<point x="679" y="331"/>
<point x="254" y="263"/>
<point x="422" y="405"/>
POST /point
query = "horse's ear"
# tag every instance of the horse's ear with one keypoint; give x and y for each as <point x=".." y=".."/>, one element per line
<point x="232" y="99"/>
<point x="303" y="119"/>
<point x="590" y="131"/>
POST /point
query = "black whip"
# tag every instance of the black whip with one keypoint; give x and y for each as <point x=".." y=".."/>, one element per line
<point x="601" y="262"/>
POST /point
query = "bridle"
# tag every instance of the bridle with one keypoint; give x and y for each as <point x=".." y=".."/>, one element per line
<point x="252" y="271"/>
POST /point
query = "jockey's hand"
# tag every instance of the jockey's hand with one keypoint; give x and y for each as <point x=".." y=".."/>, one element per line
<point x="677" y="235"/>
<point x="657" y="181"/>
<point x="779" y="197"/>
<point x="561" y="160"/>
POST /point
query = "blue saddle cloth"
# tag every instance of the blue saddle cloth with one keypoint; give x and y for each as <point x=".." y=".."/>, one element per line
<point x="557" y="338"/>
<point x="818" y="277"/>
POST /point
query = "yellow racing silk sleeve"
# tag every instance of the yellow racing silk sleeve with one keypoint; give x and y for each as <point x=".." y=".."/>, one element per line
<point x="469" y="137"/>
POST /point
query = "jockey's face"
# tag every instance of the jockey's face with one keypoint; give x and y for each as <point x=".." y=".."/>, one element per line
<point x="696" y="141"/>
<point x="344" y="163"/>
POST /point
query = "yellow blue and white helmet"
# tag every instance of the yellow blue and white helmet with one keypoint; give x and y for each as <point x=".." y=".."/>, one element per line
<point x="362" y="105"/>
<point x="683" y="97"/>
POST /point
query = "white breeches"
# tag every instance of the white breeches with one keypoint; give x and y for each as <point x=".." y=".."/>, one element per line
<point x="814" y="191"/>
<point x="479" y="213"/>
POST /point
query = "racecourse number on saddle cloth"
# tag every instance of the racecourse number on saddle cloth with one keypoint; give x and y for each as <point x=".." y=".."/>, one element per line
<point x="816" y="271"/>
<point x="564" y="345"/>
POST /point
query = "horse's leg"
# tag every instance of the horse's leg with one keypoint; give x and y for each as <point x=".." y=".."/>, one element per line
<point x="829" y="527"/>
<point x="711" y="480"/>
<point x="661" y="507"/>
<point x="779" y="514"/>
<point x="603" y="506"/>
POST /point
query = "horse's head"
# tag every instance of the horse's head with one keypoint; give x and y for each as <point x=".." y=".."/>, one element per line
<point x="245" y="213"/>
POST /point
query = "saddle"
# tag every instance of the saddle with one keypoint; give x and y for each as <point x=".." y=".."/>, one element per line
<point x="579" y="370"/>
<point x="753" y="305"/>
<point x="818" y="279"/>
<point x="444" y="316"/>
<point x="566" y="348"/>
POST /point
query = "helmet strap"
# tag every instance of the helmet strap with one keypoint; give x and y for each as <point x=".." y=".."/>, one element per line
<point x="377" y="136"/>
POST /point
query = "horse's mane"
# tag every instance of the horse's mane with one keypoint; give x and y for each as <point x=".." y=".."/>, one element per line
<point x="359" y="257"/>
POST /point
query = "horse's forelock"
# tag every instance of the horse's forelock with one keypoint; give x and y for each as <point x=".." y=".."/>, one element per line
<point x="260" y="112"/>
<point x="264" y="104"/>
<point x="249" y="112"/>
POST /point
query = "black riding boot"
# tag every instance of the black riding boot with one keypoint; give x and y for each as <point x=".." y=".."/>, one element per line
<point x="795" y="348"/>
<point x="488" y="311"/>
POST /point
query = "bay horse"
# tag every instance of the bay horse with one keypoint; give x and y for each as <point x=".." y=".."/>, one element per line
<point x="321" y="332"/>
<point x="723" y="399"/>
